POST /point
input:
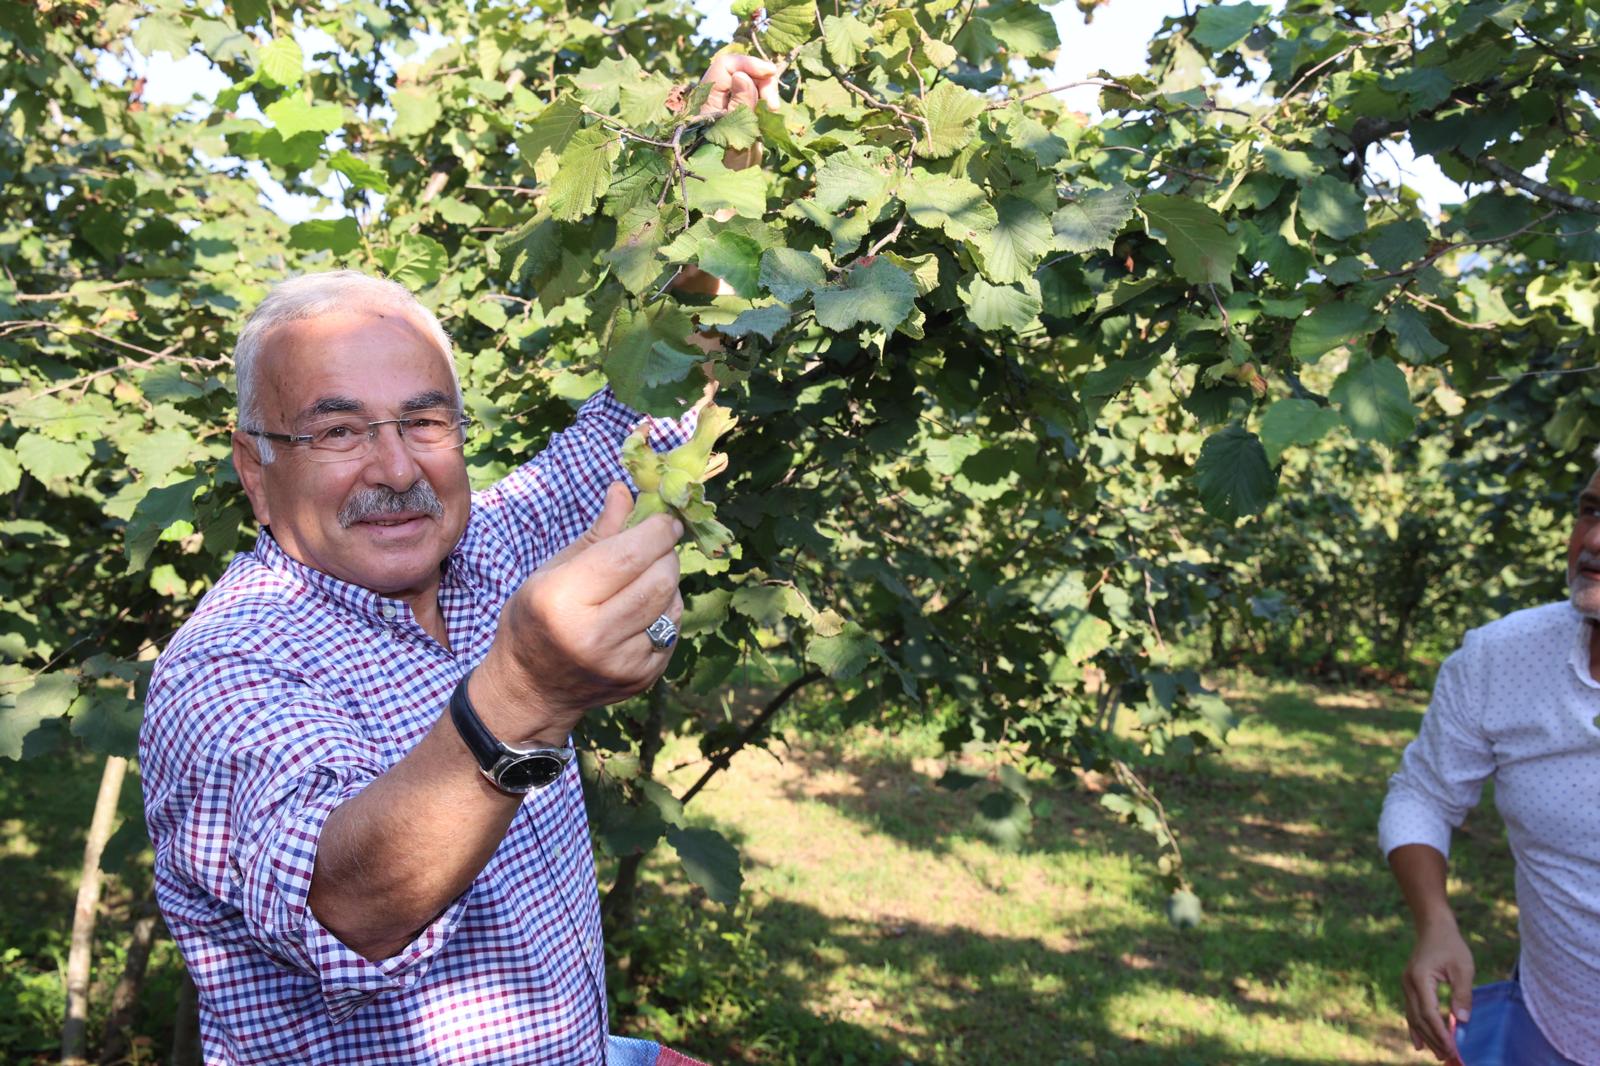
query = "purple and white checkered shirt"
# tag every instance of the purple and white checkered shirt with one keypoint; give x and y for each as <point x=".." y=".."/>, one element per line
<point x="289" y="691"/>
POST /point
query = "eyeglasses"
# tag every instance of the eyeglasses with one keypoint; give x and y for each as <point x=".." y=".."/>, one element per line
<point x="346" y="437"/>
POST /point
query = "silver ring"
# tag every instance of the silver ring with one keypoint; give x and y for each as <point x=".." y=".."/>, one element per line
<point x="662" y="633"/>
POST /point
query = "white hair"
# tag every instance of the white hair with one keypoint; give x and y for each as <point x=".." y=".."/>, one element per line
<point x="312" y="296"/>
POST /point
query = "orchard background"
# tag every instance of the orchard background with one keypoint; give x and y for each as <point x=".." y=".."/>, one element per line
<point x="1047" y="425"/>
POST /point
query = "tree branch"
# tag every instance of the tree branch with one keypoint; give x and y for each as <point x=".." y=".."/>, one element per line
<point x="720" y="760"/>
<point x="1548" y="193"/>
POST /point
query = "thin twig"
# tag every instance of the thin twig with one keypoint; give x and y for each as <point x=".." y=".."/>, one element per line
<point x="1423" y="301"/>
<point x="1444" y="249"/>
<point x="1547" y="193"/>
<point x="720" y="760"/>
<point x="25" y="297"/>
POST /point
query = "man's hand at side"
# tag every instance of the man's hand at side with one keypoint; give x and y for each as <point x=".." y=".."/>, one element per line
<point x="1440" y="954"/>
<point x="572" y="637"/>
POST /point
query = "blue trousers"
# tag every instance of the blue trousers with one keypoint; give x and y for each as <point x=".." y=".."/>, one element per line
<point x="1502" y="1032"/>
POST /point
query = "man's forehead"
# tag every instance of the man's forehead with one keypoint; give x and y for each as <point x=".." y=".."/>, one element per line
<point x="365" y="356"/>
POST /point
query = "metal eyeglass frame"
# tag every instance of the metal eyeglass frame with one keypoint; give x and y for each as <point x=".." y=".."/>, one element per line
<point x="399" y="424"/>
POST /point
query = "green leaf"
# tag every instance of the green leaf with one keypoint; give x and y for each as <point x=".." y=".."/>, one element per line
<point x="583" y="173"/>
<point x="1329" y="326"/>
<point x="548" y="134"/>
<point x="1294" y="421"/>
<point x="1221" y="26"/>
<point x="1196" y="237"/>
<point x="736" y="259"/>
<point x="48" y="459"/>
<point x="875" y="292"/>
<point x="1232" y="475"/>
<point x="107" y="720"/>
<point x="952" y="119"/>
<point x="156" y="512"/>
<point x="846" y="38"/>
<point x="789" y="274"/>
<point x="1416" y="343"/>
<point x="716" y="188"/>
<point x="160" y="453"/>
<point x="10" y="470"/>
<point x="766" y="321"/>
<point x="362" y="175"/>
<point x="789" y="24"/>
<point x="415" y="111"/>
<point x="649" y="360"/>
<point x="993" y="308"/>
<point x="955" y="205"/>
<point x="1375" y="401"/>
<point x="336" y="235"/>
<point x="1333" y="207"/>
<point x="844" y="654"/>
<point x="710" y="861"/>
<point x="1288" y="163"/>
<point x="295" y="114"/>
<point x="737" y="129"/>
<point x="1025" y="29"/>
<point x="851" y="176"/>
<point x="490" y="312"/>
<point x="281" y="63"/>
<point x="1093" y="220"/>
<point x="418" y="261"/>
<point x="24" y="707"/>
<point x="157" y="34"/>
<point x="1019" y="240"/>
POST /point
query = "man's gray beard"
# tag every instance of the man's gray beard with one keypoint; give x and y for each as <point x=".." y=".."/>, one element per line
<point x="368" y="503"/>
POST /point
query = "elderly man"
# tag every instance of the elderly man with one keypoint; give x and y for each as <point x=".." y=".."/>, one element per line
<point x="370" y="837"/>
<point x="1518" y="702"/>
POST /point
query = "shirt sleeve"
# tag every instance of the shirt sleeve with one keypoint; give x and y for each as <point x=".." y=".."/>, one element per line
<point x="1442" y="772"/>
<point x="544" y="504"/>
<point x="247" y="765"/>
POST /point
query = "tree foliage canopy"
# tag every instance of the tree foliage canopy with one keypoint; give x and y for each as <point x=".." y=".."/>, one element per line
<point x="997" y="366"/>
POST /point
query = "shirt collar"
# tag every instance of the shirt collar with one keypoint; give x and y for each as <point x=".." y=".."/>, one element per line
<point x="361" y="602"/>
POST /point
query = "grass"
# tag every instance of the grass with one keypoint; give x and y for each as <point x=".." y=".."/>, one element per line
<point x="883" y="927"/>
<point x="879" y="925"/>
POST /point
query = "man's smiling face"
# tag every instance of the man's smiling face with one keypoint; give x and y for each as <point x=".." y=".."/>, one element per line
<point x="344" y="517"/>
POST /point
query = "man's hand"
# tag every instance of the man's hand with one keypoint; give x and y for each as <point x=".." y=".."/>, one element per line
<point x="1440" y="955"/>
<point x="739" y="80"/>
<point x="572" y="637"/>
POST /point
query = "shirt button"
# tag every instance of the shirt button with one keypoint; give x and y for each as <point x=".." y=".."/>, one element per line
<point x="388" y="611"/>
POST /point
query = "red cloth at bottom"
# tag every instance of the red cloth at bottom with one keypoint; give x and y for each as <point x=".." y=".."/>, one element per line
<point x="668" y="1057"/>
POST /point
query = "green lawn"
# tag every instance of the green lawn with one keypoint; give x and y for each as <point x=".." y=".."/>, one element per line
<point x="886" y="929"/>
<point x="879" y="926"/>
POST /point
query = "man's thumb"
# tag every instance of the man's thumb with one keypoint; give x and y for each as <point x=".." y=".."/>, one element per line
<point x="613" y="517"/>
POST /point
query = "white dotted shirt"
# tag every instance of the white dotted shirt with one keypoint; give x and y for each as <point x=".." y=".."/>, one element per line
<point x="1517" y="703"/>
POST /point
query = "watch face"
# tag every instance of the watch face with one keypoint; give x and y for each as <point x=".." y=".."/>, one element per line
<point x="530" y="772"/>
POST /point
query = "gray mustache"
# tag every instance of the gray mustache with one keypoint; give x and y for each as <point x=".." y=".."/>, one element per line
<point x="1587" y="559"/>
<point x="381" y="501"/>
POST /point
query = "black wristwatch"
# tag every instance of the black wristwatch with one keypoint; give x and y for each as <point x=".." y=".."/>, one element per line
<point x="514" y="770"/>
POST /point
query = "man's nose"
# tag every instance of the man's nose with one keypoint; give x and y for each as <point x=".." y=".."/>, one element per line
<point x="392" y="463"/>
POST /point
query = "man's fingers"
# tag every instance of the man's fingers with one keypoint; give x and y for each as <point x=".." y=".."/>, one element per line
<point x="644" y="599"/>
<point x="1461" y="996"/>
<point x="614" y="563"/>
<point x="743" y="91"/>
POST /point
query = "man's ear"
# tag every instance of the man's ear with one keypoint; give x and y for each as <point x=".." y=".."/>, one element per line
<point x="247" y="463"/>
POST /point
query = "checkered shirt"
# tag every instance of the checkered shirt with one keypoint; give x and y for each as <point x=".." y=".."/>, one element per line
<point x="289" y="691"/>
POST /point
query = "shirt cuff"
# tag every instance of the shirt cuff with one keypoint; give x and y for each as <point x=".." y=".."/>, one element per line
<point x="1409" y="819"/>
<point x="347" y="979"/>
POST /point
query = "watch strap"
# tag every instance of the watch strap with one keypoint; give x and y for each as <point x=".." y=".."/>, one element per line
<point x="495" y="757"/>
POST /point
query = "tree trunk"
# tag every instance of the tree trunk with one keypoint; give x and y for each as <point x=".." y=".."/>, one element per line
<point x="186" y="1025"/>
<point x="126" y="996"/>
<point x="75" y="1028"/>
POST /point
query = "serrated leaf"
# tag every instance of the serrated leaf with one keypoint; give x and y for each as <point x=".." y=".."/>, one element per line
<point x="650" y="362"/>
<point x="716" y="188"/>
<point x="490" y="312"/>
<point x="158" y="454"/>
<point x="737" y="129"/>
<point x="846" y="38"/>
<point x="156" y="512"/>
<point x="295" y="114"/>
<point x="583" y="173"/>
<point x="1294" y="421"/>
<point x="1026" y="29"/>
<point x="955" y="205"/>
<point x="1375" y="401"/>
<point x="158" y="34"/>
<point x="1398" y="244"/>
<point x="878" y="293"/>
<point x="951" y="114"/>
<point x="418" y="261"/>
<point x="710" y="861"/>
<point x="1333" y="207"/>
<point x="26" y="705"/>
<point x="281" y="62"/>
<point x="1202" y="249"/>
<point x="789" y="24"/>
<point x="1289" y="163"/>
<point x="1019" y="240"/>
<point x="10" y="470"/>
<point x="107" y="720"/>
<point x="336" y="235"/>
<point x="767" y="605"/>
<point x="1221" y="26"/>
<point x="766" y="321"/>
<point x="362" y="175"/>
<point x="1232" y="474"/>
<point x="736" y="259"/>
<point x="1093" y="220"/>
<point x="48" y="459"/>
<point x="844" y="654"/>
<point x="548" y="134"/>
<point x="1329" y="326"/>
<point x="1037" y="139"/>
<point x="1415" y="342"/>
<point x="993" y="308"/>
<point x="789" y="274"/>
<point x="854" y="175"/>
